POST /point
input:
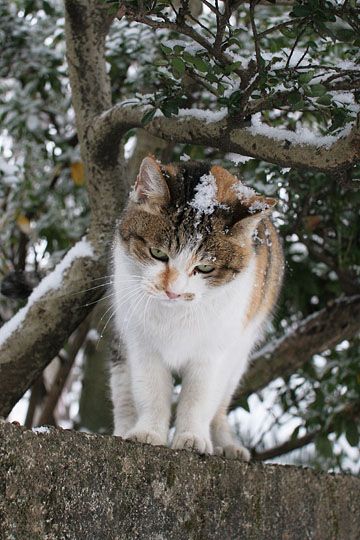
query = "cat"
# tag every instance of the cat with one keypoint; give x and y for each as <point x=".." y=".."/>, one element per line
<point x="198" y="267"/>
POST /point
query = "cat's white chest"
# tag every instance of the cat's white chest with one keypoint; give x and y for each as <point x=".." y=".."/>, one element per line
<point x="179" y="337"/>
<point x="179" y="334"/>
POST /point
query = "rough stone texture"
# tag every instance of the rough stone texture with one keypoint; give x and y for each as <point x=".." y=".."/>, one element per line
<point x="66" y="485"/>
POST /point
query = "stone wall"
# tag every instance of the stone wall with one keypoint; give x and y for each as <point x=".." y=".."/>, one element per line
<point x="67" y="485"/>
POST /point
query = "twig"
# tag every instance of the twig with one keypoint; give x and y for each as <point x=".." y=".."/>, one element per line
<point x="37" y="393"/>
<point x="285" y="447"/>
<point x="255" y="35"/>
<point x="75" y="343"/>
<point x="279" y="26"/>
<point x="186" y="30"/>
<point x="293" y="49"/>
<point x="350" y="410"/>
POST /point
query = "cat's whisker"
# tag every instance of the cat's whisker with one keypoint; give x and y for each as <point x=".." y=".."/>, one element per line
<point x="104" y="327"/>
<point x="99" y="300"/>
<point x="133" y="311"/>
<point x="91" y="288"/>
<point x="146" y="306"/>
<point x="117" y="308"/>
<point x="197" y="310"/>
<point x="106" y="312"/>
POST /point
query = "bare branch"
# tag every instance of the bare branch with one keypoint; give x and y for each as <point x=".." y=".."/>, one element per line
<point x="350" y="411"/>
<point x="255" y="36"/>
<point x="52" y="398"/>
<point x="285" y="448"/>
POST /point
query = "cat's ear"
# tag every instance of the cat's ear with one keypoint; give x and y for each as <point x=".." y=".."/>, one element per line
<point x="251" y="212"/>
<point x="150" y="185"/>
<point x="225" y="183"/>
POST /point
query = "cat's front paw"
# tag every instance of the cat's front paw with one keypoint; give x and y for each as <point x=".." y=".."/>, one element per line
<point x="233" y="451"/>
<point x="146" y="437"/>
<point x="190" y="441"/>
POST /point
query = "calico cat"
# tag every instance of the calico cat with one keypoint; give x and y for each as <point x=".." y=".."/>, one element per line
<point x="198" y="267"/>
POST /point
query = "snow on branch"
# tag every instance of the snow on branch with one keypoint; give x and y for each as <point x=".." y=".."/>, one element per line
<point x="282" y="147"/>
<point x="35" y="335"/>
<point x="50" y="282"/>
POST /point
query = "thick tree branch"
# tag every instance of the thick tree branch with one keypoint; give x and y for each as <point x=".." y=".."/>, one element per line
<point x="323" y="330"/>
<point x="44" y="330"/>
<point x="228" y="137"/>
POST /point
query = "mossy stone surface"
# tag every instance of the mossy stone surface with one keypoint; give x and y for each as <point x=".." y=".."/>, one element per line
<point x="67" y="485"/>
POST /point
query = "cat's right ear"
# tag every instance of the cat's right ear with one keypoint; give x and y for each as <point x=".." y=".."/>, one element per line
<point x="150" y="186"/>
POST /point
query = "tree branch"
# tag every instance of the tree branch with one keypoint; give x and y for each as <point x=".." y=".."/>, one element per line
<point x="350" y="411"/>
<point x="286" y="447"/>
<point x="75" y="343"/>
<point x="44" y="329"/>
<point x="323" y="330"/>
<point x="224" y="135"/>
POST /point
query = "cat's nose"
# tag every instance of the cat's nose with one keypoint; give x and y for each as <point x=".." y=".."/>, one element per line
<point x="172" y="295"/>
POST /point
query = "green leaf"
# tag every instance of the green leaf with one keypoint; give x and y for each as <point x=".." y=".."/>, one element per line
<point x="179" y="48"/>
<point x="345" y="35"/>
<point x="317" y="90"/>
<point x="178" y="67"/>
<point x="301" y="11"/>
<point x="243" y="403"/>
<point x="201" y="65"/>
<point x="165" y="50"/>
<point x="295" y="433"/>
<point x="326" y="99"/>
<point x="352" y="433"/>
<point x="306" y="77"/>
<point x="324" y="446"/>
<point x="169" y="108"/>
<point x="148" y="116"/>
<point x="196" y="61"/>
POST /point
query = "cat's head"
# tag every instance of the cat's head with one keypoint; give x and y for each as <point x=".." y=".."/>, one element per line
<point x="187" y="228"/>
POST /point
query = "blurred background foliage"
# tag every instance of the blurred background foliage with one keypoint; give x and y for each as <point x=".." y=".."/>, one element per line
<point x="44" y="208"/>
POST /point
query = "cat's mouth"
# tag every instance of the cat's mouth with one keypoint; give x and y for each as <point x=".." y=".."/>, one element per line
<point x="175" y="299"/>
<point x="170" y="297"/>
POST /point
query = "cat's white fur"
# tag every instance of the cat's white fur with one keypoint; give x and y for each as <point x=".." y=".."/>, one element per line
<point x="207" y="340"/>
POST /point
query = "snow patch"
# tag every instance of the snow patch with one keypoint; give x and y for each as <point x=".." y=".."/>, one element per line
<point x="93" y="335"/>
<point x="258" y="206"/>
<point x="205" y="200"/>
<point x="237" y="158"/>
<point x="51" y="281"/>
<point x="40" y="429"/>
<point x="243" y="192"/>
<point x="207" y="116"/>
<point x="302" y="135"/>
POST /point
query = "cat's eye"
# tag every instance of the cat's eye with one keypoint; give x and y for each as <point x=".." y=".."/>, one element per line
<point x="159" y="254"/>
<point x="204" y="268"/>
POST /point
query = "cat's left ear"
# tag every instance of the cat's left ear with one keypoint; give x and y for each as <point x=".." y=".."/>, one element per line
<point x="253" y="211"/>
<point x="150" y="185"/>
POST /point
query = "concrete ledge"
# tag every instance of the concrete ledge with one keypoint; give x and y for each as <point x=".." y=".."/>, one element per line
<point x="67" y="485"/>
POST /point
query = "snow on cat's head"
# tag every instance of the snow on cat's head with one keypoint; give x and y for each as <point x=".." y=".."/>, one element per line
<point x="187" y="229"/>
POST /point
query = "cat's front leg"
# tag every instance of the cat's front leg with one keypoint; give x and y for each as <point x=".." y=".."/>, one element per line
<point x="201" y="393"/>
<point x="151" y="383"/>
